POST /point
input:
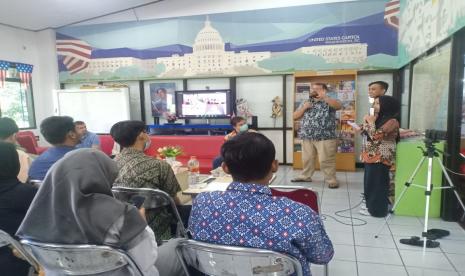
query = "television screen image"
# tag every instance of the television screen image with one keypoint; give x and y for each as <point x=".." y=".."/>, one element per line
<point x="200" y="104"/>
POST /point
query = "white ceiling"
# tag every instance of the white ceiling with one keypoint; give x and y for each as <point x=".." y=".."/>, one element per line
<point x="43" y="14"/>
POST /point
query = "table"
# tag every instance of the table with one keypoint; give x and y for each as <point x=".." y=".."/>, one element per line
<point x="219" y="184"/>
<point x="181" y="175"/>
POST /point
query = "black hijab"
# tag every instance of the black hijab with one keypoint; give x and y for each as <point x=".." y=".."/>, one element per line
<point x="75" y="204"/>
<point x="9" y="163"/>
<point x="389" y="108"/>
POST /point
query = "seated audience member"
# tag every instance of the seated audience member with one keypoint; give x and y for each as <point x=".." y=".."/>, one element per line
<point x="8" y="130"/>
<point x="15" y="198"/>
<point x="61" y="133"/>
<point x="246" y="214"/>
<point x="137" y="170"/>
<point x="88" y="139"/>
<point x="239" y="125"/>
<point x="75" y="205"/>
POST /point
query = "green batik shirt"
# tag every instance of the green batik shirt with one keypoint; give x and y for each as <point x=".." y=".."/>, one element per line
<point x="137" y="170"/>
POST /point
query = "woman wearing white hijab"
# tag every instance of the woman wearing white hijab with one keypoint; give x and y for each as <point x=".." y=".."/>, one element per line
<point x="75" y="205"/>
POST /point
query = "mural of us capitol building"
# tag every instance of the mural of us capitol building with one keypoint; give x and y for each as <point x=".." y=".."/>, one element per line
<point x="339" y="46"/>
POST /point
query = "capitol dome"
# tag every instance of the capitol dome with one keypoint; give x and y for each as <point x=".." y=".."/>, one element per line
<point x="208" y="39"/>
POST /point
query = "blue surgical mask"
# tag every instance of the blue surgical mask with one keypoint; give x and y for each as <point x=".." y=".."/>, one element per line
<point x="244" y="128"/>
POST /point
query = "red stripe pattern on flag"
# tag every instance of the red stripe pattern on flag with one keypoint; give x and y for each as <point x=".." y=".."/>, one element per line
<point x="4" y="66"/>
<point x="76" y="54"/>
<point x="391" y="13"/>
<point x="25" y="73"/>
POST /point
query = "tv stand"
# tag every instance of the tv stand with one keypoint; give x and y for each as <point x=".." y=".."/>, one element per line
<point x="189" y="129"/>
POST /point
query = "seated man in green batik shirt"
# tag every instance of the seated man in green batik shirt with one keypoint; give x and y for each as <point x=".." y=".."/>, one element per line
<point x="137" y="170"/>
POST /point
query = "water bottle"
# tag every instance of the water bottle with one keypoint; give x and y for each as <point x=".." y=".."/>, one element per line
<point x="193" y="167"/>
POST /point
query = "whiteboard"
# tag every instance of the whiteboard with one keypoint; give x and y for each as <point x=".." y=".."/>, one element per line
<point x="100" y="109"/>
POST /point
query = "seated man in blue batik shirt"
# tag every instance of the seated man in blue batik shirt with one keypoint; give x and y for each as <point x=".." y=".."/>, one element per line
<point x="246" y="214"/>
<point x="61" y="133"/>
<point x="88" y="139"/>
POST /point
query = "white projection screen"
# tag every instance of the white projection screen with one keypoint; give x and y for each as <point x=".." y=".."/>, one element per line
<point x="99" y="108"/>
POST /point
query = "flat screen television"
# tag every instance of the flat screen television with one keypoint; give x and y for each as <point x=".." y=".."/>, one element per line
<point x="204" y="104"/>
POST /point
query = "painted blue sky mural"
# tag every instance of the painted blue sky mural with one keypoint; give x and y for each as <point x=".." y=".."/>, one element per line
<point x="330" y="36"/>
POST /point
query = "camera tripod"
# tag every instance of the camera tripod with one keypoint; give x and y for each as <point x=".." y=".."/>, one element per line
<point x="430" y="154"/>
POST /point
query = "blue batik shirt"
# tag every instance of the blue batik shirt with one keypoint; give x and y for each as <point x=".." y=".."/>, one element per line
<point x="43" y="162"/>
<point x="88" y="140"/>
<point x="319" y="122"/>
<point x="248" y="215"/>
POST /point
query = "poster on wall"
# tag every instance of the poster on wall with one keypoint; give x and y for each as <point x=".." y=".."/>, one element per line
<point x="278" y="40"/>
<point x="162" y="98"/>
<point x="345" y="90"/>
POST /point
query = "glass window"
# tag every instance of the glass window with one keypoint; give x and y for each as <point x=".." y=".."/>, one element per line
<point x="462" y="146"/>
<point x="16" y="103"/>
<point x="430" y="91"/>
<point x="404" y="108"/>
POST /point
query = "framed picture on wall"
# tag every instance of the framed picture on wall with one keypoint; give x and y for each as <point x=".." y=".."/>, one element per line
<point x="162" y="98"/>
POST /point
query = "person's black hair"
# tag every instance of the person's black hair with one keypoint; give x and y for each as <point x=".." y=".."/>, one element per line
<point x="389" y="108"/>
<point x="8" y="127"/>
<point x="323" y="85"/>
<point x="383" y="85"/>
<point x="9" y="161"/>
<point x="125" y="132"/>
<point x="236" y="120"/>
<point x="79" y="123"/>
<point x="248" y="156"/>
<point x="55" y="128"/>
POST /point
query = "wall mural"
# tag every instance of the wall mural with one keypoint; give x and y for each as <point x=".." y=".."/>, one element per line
<point x="425" y="23"/>
<point x="351" y="35"/>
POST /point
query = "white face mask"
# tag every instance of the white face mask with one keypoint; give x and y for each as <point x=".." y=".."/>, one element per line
<point x="147" y="144"/>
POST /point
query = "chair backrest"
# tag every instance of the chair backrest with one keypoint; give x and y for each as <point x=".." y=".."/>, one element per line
<point x="28" y="133"/>
<point x="214" y="259"/>
<point x="153" y="199"/>
<point x="27" y="142"/>
<point x="7" y="240"/>
<point x="299" y="194"/>
<point x="65" y="259"/>
<point x="106" y="143"/>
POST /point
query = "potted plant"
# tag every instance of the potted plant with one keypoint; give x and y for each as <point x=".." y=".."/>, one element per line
<point x="170" y="153"/>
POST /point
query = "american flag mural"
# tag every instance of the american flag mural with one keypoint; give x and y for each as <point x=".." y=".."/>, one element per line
<point x="76" y="54"/>
<point x="391" y="13"/>
<point x="25" y="73"/>
<point x="4" y="65"/>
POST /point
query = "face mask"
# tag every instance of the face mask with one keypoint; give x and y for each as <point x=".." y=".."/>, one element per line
<point x="147" y="144"/>
<point x="244" y="128"/>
